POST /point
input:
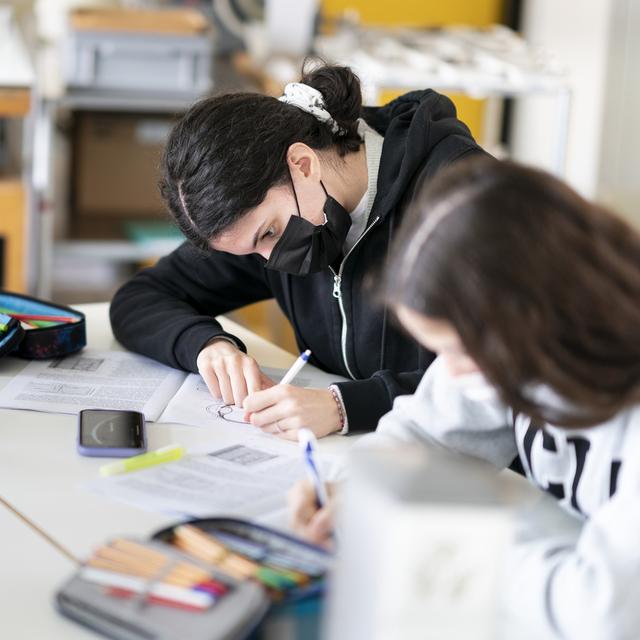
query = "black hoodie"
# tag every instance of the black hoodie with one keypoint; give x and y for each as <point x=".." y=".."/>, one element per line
<point x="165" y="312"/>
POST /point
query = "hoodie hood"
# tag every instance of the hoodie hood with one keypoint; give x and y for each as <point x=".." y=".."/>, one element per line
<point x="412" y="126"/>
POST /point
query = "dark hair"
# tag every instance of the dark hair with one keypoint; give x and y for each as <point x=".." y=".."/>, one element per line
<point x="227" y="151"/>
<point x="542" y="286"/>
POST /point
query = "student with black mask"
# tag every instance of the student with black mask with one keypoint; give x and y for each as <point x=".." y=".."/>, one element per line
<point x="294" y="199"/>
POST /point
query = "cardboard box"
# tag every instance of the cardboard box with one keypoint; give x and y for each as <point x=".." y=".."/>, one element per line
<point x="117" y="165"/>
<point x="173" y="21"/>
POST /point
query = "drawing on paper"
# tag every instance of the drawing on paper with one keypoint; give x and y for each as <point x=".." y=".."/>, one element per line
<point x="227" y="412"/>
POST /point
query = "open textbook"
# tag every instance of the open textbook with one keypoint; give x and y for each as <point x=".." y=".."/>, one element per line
<point x="121" y="380"/>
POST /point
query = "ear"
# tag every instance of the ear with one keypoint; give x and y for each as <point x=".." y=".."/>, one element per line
<point x="303" y="163"/>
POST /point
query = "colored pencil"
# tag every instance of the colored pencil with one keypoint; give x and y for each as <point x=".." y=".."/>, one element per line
<point x="43" y="324"/>
<point x="46" y="318"/>
<point x="208" y="548"/>
<point x="129" y="569"/>
<point x="128" y="558"/>
<point x="125" y="594"/>
<point x="261" y="553"/>
<point x="161" y="591"/>
<point x="206" y="584"/>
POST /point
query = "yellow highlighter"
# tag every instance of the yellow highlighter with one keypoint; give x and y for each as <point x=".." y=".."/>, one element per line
<point x="169" y="453"/>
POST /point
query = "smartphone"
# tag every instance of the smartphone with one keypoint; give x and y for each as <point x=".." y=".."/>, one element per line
<point x="111" y="433"/>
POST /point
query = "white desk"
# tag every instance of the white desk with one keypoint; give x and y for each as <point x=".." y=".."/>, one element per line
<point x="30" y="573"/>
<point x="39" y="474"/>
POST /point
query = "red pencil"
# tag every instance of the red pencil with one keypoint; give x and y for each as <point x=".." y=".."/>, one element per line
<point x="127" y="594"/>
<point x="30" y="316"/>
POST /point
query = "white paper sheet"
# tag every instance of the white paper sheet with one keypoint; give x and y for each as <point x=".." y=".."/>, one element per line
<point x="194" y="405"/>
<point x="246" y="477"/>
<point x="93" y="380"/>
<point x="96" y="379"/>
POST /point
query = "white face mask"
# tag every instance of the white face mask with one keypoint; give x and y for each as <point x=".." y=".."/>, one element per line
<point x="475" y="387"/>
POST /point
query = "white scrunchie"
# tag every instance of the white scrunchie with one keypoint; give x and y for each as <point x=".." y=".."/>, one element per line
<point x="312" y="101"/>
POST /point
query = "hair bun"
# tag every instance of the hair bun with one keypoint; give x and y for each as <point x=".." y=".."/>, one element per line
<point x="340" y="88"/>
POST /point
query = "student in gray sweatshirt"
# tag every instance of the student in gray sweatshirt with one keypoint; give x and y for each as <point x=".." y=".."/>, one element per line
<point x="530" y="296"/>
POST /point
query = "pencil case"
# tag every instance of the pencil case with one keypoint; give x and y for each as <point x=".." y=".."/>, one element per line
<point x="40" y="342"/>
<point x="242" y="613"/>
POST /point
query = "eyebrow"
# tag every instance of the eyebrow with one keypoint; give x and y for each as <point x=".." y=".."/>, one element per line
<point x="257" y="234"/>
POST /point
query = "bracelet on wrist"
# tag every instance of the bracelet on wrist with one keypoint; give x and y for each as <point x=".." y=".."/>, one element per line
<point x="338" y="402"/>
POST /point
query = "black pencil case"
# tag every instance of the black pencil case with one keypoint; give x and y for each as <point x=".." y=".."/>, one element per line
<point x="45" y="342"/>
<point x="239" y="615"/>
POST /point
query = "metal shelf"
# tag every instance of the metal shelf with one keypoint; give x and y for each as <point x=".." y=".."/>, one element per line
<point x="112" y="250"/>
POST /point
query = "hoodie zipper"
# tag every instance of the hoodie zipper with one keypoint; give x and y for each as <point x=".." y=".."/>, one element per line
<point x="337" y="293"/>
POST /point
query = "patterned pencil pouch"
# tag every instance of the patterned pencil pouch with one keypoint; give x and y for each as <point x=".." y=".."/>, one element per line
<point x="36" y="329"/>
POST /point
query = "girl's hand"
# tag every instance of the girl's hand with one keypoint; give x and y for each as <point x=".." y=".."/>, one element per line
<point x="307" y="519"/>
<point x="229" y="373"/>
<point x="283" y="409"/>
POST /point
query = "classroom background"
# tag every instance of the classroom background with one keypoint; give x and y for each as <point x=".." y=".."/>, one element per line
<point x="90" y="89"/>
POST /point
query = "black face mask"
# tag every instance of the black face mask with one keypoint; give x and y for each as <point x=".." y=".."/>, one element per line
<point x="307" y="248"/>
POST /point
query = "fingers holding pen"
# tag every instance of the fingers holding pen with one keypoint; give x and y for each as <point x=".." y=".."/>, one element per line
<point x="309" y="521"/>
<point x="285" y="407"/>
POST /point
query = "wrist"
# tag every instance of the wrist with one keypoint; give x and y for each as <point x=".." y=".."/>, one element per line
<point x="222" y="343"/>
<point x="217" y="347"/>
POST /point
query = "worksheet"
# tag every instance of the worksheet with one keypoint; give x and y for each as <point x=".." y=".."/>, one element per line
<point x="247" y="477"/>
<point x="93" y="379"/>
<point x="193" y="403"/>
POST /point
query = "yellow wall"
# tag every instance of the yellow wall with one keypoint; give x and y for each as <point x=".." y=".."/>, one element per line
<point x="418" y="13"/>
<point x="12" y="222"/>
<point x="13" y="103"/>
<point x="470" y="110"/>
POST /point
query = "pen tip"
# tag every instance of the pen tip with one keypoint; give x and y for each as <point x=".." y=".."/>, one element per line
<point x="305" y="437"/>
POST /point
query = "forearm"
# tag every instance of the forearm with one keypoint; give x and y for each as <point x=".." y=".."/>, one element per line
<point x="161" y="327"/>
<point x="168" y="312"/>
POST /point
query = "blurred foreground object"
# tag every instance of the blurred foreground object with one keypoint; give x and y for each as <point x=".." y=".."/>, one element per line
<point x="422" y="537"/>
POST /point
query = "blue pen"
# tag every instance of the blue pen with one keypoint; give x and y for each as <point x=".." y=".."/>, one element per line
<point x="296" y="367"/>
<point x="309" y="445"/>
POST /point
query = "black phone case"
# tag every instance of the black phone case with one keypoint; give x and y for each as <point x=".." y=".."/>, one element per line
<point x="86" y="449"/>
